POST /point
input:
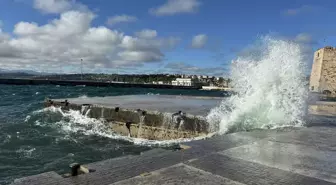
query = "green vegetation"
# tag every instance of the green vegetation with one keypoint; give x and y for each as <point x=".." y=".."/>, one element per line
<point x="138" y="78"/>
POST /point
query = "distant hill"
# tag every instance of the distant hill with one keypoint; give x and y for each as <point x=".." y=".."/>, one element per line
<point x="30" y="72"/>
<point x="4" y="73"/>
<point x="21" y="73"/>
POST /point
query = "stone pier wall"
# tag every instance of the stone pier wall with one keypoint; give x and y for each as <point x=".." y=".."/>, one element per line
<point x="323" y="109"/>
<point x="142" y="123"/>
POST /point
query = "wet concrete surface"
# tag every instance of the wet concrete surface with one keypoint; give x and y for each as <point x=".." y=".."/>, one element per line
<point x="162" y="103"/>
<point x="292" y="156"/>
<point x="187" y="175"/>
<point x="301" y="159"/>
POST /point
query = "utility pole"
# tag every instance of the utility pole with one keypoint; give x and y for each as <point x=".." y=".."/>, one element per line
<point x="60" y="71"/>
<point x="117" y="74"/>
<point x="81" y="69"/>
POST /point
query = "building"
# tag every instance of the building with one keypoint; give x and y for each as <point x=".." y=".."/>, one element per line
<point x="183" y="82"/>
<point x="158" y="82"/>
<point x="323" y="74"/>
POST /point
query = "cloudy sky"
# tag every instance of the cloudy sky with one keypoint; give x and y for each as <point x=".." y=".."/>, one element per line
<point x="150" y="36"/>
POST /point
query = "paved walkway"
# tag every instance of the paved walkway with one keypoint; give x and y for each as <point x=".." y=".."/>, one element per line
<point x="300" y="156"/>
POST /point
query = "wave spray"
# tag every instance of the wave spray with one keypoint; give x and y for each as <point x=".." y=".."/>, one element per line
<point x="271" y="89"/>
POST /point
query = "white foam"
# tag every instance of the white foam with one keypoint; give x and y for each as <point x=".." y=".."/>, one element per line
<point x="270" y="90"/>
<point x="26" y="151"/>
<point x="75" y="122"/>
<point x="83" y="97"/>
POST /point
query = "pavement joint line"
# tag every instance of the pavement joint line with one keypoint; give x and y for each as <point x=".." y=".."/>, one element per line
<point x="158" y="171"/>
<point x="209" y="173"/>
<point x="323" y="149"/>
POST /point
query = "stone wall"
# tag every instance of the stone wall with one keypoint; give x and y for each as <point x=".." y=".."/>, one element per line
<point x="328" y="80"/>
<point x="323" y="75"/>
<point x="142" y="123"/>
<point x="316" y="71"/>
<point x="323" y="109"/>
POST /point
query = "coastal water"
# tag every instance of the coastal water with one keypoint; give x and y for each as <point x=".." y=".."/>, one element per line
<point x="33" y="141"/>
<point x="271" y="88"/>
<point x="271" y="93"/>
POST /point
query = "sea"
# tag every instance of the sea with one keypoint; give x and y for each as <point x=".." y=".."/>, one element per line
<point x="271" y="92"/>
<point x="34" y="140"/>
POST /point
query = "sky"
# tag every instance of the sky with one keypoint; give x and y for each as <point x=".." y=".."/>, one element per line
<point x="153" y="36"/>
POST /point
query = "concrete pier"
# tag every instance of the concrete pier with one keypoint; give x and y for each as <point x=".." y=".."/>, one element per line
<point x="166" y="117"/>
<point x="297" y="156"/>
<point x="280" y="157"/>
<point x="155" y="117"/>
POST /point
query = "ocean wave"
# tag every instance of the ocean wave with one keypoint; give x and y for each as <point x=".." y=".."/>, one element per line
<point x="26" y="151"/>
<point x="271" y="90"/>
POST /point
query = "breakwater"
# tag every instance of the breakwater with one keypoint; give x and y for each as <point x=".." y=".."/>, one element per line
<point x="159" y="117"/>
<point x="28" y="81"/>
<point x="162" y="117"/>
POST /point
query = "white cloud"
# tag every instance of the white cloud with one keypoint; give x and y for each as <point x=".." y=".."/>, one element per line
<point x="172" y="7"/>
<point x="69" y="38"/>
<point x="184" y="68"/>
<point x="52" y="6"/>
<point x="133" y="43"/>
<point x="6" y="49"/>
<point x="306" y="42"/>
<point x="58" y="6"/>
<point x="120" y="19"/>
<point x="145" y="49"/>
<point x="146" y="33"/>
<point x="304" y="38"/>
<point x="148" y="56"/>
<point x="300" y="10"/>
<point x="199" y="41"/>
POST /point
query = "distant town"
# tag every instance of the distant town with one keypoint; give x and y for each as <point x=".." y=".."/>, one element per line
<point x="204" y="81"/>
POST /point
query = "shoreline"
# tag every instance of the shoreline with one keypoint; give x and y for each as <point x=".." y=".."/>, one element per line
<point x="28" y="81"/>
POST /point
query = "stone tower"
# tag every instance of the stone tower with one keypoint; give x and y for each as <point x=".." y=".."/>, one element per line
<point x="323" y="75"/>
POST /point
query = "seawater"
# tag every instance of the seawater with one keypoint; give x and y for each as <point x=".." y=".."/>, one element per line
<point x="271" y="92"/>
<point x="271" y="89"/>
<point x="35" y="140"/>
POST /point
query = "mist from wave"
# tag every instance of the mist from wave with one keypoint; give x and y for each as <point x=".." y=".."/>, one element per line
<point x="271" y="89"/>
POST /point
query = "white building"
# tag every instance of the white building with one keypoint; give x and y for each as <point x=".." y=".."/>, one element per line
<point x="158" y="82"/>
<point x="183" y="82"/>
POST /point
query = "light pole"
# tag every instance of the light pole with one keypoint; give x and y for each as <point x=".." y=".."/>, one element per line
<point x="60" y="72"/>
<point x="117" y="74"/>
<point x="81" y="69"/>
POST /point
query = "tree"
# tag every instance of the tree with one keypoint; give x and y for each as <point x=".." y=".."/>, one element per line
<point x="221" y="80"/>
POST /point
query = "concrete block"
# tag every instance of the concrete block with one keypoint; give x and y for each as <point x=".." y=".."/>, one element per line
<point x="151" y="117"/>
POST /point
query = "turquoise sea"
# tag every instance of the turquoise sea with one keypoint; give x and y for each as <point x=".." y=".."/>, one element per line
<point x="30" y="146"/>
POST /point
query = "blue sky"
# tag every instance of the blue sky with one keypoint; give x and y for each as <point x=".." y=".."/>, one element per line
<point x="224" y="28"/>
